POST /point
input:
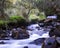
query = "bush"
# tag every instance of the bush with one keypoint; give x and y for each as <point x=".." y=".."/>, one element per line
<point x="15" y="21"/>
<point x="15" y="18"/>
<point x="42" y="16"/>
<point x="3" y="23"/>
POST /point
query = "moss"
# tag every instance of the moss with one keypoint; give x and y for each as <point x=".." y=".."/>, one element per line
<point x="15" y="18"/>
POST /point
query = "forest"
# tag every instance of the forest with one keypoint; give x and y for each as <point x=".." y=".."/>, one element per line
<point x="29" y="23"/>
<point x="14" y="11"/>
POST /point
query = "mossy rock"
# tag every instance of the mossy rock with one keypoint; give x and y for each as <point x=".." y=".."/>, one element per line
<point x="16" y="18"/>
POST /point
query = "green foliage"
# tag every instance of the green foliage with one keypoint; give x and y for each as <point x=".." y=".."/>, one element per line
<point x="2" y="22"/>
<point x="33" y="17"/>
<point x="42" y="16"/>
<point x="15" y="18"/>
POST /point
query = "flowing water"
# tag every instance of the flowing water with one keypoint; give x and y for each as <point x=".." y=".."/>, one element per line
<point x="34" y="34"/>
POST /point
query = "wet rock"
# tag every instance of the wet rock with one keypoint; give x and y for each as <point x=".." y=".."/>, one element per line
<point x="3" y="34"/>
<point x="2" y="42"/>
<point x="55" y="31"/>
<point x="26" y="47"/>
<point x="49" y="43"/>
<point x="20" y="34"/>
<point x="38" y="41"/>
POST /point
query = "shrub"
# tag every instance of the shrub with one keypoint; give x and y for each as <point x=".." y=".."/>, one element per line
<point x="3" y="23"/>
<point x="16" y="21"/>
<point x="15" y="18"/>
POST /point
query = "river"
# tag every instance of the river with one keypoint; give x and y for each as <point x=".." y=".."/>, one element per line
<point x="34" y="34"/>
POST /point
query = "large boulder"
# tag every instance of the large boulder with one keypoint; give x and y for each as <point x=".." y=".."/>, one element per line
<point x="49" y="43"/>
<point x="55" y="31"/>
<point x="22" y="34"/>
<point x="38" y="41"/>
